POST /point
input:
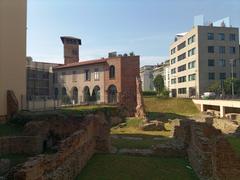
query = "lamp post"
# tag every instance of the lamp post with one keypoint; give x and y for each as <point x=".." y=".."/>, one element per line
<point x="232" y="62"/>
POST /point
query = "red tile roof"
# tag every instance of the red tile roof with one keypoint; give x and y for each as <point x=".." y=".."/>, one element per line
<point x="82" y="63"/>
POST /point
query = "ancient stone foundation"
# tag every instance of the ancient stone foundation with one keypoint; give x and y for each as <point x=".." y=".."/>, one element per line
<point x="210" y="154"/>
<point x="72" y="154"/>
<point x="21" y="145"/>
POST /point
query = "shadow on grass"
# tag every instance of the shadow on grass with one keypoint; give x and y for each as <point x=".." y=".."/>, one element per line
<point x="144" y="136"/>
<point x="165" y="116"/>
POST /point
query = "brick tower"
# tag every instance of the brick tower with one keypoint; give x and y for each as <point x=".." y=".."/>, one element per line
<point x="71" y="49"/>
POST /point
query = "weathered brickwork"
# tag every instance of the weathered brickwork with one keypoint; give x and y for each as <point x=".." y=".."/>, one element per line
<point x="21" y="145"/>
<point x="72" y="155"/>
<point x="209" y="153"/>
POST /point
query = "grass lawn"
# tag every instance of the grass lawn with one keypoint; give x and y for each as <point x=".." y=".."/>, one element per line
<point x="145" y="143"/>
<point x="171" y="107"/>
<point x="132" y="128"/>
<point x="121" y="167"/>
<point x="235" y="143"/>
<point x="81" y="110"/>
<point x="10" y="129"/>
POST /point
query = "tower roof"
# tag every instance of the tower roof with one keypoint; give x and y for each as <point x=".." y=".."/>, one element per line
<point x="70" y="38"/>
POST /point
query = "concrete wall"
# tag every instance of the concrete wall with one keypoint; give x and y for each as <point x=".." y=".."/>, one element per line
<point x="12" y="50"/>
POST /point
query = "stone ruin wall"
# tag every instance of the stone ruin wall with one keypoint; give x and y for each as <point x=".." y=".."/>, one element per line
<point x="21" y="145"/>
<point x="209" y="153"/>
<point x="72" y="155"/>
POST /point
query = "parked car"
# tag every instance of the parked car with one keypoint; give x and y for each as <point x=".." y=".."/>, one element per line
<point x="209" y="95"/>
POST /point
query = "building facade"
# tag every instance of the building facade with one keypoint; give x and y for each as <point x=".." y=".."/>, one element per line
<point x="146" y="74"/>
<point x="39" y="79"/>
<point x="12" y="52"/>
<point x="201" y="56"/>
<point x="163" y="70"/>
<point x="107" y="80"/>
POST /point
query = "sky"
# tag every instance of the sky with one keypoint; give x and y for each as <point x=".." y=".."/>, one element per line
<point x="146" y="27"/>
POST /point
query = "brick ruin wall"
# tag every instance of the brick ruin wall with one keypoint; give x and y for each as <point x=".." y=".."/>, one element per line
<point x="21" y="145"/>
<point x="72" y="155"/>
<point x="209" y="152"/>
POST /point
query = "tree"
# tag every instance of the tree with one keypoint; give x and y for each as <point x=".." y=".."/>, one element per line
<point x="159" y="84"/>
<point x="215" y="87"/>
<point x="225" y="87"/>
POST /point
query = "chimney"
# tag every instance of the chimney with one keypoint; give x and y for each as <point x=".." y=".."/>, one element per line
<point x="71" y="49"/>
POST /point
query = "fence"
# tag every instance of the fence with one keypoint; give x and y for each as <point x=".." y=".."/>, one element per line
<point x="49" y="103"/>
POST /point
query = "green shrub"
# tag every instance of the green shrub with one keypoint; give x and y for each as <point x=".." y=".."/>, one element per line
<point x="149" y="93"/>
<point x="165" y="93"/>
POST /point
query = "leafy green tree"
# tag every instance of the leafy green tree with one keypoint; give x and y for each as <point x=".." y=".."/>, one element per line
<point x="159" y="84"/>
<point x="215" y="87"/>
<point x="226" y="87"/>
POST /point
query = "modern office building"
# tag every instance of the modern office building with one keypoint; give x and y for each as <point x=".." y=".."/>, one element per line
<point x="12" y="55"/>
<point x="201" y="56"/>
<point x="146" y="74"/>
<point x="39" y="79"/>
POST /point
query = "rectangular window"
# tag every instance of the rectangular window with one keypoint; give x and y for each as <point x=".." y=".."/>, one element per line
<point x="96" y="74"/>
<point x="63" y="77"/>
<point x="87" y="75"/>
<point x="191" y="65"/>
<point x="182" y="79"/>
<point x="211" y="62"/>
<point x="181" y="46"/>
<point x="182" y="56"/>
<point x="211" y="76"/>
<point x="173" y="61"/>
<point x="222" y="76"/>
<point x="74" y="76"/>
<point x="232" y="37"/>
<point x="191" y="77"/>
<point x="221" y="36"/>
<point x="210" y="49"/>
<point x="233" y="75"/>
<point x="191" y="39"/>
<point x="182" y="91"/>
<point x="55" y="77"/>
<point x="234" y="61"/>
<point x="191" y="52"/>
<point x="210" y="36"/>
<point x="173" y="81"/>
<point x="221" y="49"/>
<point x="232" y="50"/>
<point x="173" y="50"/>
<point x="182" y="68"/>
<point x="222" y="62"/>
<point x="173" y="71"/>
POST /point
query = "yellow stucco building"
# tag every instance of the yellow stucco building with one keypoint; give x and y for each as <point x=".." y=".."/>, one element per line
<point x="12" y="51"/>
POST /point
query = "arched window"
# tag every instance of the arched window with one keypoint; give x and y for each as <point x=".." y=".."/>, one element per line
<point x="86" y="94"/>
<point x="112" y="94"/>
<point x="75" y="95"/>
<point x="64" y="91"/>
<point x="96" y="94"/>
<point x="112" y="72"/>
<point x="56" y="93"/>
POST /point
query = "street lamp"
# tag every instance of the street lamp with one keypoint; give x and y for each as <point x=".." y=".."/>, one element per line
<point x="232" y="62"/>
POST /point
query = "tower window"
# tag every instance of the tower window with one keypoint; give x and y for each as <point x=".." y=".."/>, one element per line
<point x="112" y="72"/>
